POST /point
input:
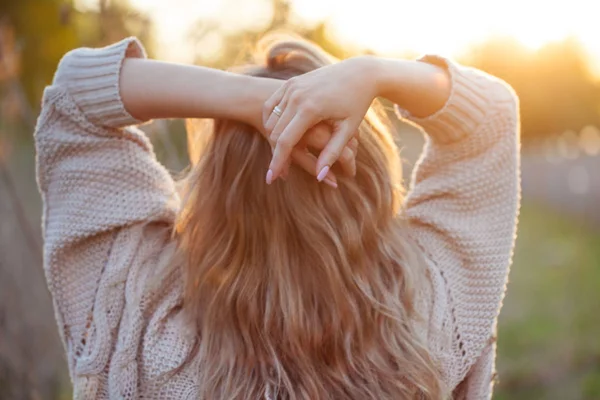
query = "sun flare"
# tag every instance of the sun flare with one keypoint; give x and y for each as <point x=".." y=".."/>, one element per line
<point x="391" y="27"/>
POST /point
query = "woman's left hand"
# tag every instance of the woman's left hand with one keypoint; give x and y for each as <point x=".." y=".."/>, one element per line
<point x="340" y="94"/>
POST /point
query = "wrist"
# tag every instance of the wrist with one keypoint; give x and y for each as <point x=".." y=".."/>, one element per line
<point x="390" y="76"/>
<point x="255" y="93"/>
<point x="371" y="70"/>
<point x="417" y="87"/>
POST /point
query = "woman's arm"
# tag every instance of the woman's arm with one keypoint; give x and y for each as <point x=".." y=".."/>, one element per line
<point x="463" y="203"/>
<point x="100" y="181"/>
<point x="342" y="93"/>
<point x="154" y="89"/>
<point x="417" y="87"/>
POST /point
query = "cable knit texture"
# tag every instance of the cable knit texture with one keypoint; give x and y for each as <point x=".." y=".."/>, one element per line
<point x="108" y="207"/>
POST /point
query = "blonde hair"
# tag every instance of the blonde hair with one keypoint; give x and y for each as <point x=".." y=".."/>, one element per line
<point x="296" y="286"/>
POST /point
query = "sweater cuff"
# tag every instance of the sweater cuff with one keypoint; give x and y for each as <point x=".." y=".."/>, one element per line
<point x="464" y="110"/>
<point x="92" y="78"/>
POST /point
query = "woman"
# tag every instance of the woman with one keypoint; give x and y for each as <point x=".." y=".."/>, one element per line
<point x="290" y="288"/>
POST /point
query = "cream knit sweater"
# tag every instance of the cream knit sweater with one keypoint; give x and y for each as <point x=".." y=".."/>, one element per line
<point x="107" y="202"/>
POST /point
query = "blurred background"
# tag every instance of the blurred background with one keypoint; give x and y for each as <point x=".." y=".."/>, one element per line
<point x="549" y="330"/>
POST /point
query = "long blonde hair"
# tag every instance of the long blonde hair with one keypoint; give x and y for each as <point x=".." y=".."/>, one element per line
<point x="296" y="286"/>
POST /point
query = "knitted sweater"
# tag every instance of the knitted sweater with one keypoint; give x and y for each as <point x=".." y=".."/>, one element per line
<point x="108" y="204"/>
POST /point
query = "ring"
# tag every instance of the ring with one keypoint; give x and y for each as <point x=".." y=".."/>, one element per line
<point x="277" y="111"/>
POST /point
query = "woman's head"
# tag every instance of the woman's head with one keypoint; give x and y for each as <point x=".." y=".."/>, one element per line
<point x="305" y="287"/>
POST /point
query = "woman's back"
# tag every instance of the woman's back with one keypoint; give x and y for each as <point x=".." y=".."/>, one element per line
<point x="298" y="288"/>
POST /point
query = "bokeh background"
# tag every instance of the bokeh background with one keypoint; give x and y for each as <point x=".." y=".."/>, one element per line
<point x="549" y="330"/>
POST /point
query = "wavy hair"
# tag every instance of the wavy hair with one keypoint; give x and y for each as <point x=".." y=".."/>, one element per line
<point x="296" y="288"/>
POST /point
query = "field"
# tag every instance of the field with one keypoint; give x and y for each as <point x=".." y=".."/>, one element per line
<point x="549" y="330"/>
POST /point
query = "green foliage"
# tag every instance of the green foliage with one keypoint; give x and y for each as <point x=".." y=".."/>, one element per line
<point x="548" y="345"/>
<point x="43" y="35"/>
<point x="46" y="29"/>
<point x="113" y="21"/>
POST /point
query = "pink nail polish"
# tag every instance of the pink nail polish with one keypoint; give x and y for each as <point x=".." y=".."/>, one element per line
<point x="323" y="173"/>
<point x="331" y="183"/>
<point x="269" y="177"/>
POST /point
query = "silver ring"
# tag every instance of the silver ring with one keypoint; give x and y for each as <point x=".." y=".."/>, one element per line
<point x="277" y="111"/>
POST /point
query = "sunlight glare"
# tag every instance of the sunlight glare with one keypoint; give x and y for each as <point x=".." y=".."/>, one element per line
<point x="447" y="27"/>
<point x="589" y="140"/>
<point x="389" y="27"/>
<point x="175" y="20"/>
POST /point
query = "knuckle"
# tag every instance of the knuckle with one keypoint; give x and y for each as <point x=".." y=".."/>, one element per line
<point x="295" y="99"/>
<point x="309" y="108"/>
<point x="346" y="159"/>
<point x="290" y="82"/>
<point x="346" y="156"/>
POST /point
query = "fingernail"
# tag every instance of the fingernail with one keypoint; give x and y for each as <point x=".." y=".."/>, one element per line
<point x="331" y="183"/>
<point x="323" y="173"/>
<point x="269" y="176"/>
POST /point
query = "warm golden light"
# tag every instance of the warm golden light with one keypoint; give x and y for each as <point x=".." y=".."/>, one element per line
<point x="589" y="140"/>
<point x="391" y="26"/>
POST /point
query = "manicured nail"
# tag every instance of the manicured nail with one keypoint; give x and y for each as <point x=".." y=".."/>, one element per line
<point x="331" y="183"/>
<point x="323" y="173"/>
<point x="269" y="177"/>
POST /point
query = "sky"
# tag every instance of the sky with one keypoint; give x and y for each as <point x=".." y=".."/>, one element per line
<point x="391" y="27"/>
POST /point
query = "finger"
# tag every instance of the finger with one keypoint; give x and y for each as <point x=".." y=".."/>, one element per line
<point x="274" y="118"/>
<point x="270" y="124"/>
<point x="308" y="162"/>
<point x="270" y="104"/>
<point x="291" y="135"/>
<point x="319" y="136"/>
<point x="348" y="162"/>
<point x="350" y="165"/>
<point x="286" y="168"/>
<point x="353" y="144"/>
<point x="283" y="120"/>
<point x="332" y="152"/>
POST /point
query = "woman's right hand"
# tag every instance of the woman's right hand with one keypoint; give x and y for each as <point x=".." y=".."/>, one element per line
<point x="305" y="152"/>
<point x="316" y="138"/>
<point x="338" y="95"/>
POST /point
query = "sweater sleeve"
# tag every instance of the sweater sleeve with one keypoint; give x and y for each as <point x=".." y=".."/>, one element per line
<point x="463" y="206"/>
<point x="98" y="176"/>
